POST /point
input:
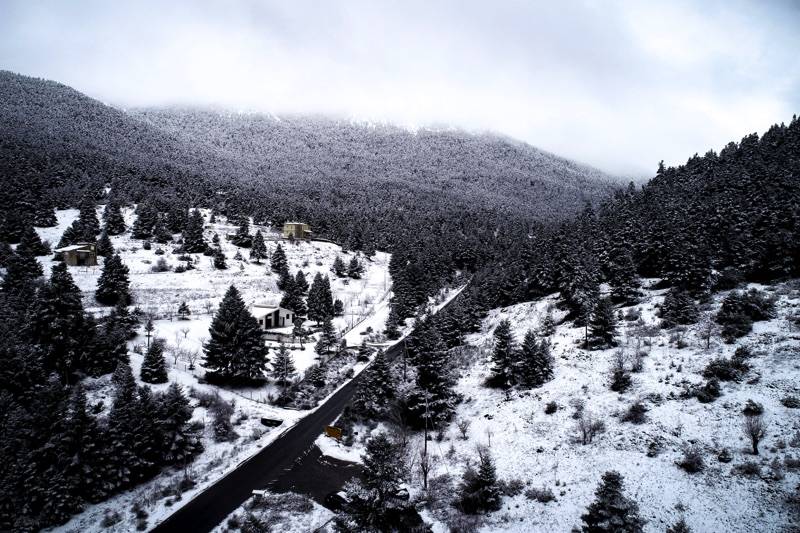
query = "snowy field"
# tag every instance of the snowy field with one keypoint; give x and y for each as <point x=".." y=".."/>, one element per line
<point x="159" y="294"/>
<point x="543" y="451"/>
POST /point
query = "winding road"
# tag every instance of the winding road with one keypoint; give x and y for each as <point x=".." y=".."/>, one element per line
<point x="210" y="507"/>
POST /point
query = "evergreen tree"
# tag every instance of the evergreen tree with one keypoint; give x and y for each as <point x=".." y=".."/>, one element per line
<point x="179" y="442"/>
<point x="154" y="369"/>
<point x="220" y="262"/>
<point x="316" y="375"/>
<point x="432" y="400"/>
<point x="87" y="218"/>
<point x="535" y="361"/>
<point x="612" y="511"/>
<point x="603" y="325"/>
<point x="503" y="356"/>
<point x="479" y="491"/>
<point x="123" y="320"/>
<point x="113" y="221"/>
<point x="146" y="218"/>
<point x="355" y="268"/>
<point x="259" y="249"/>
<point x="177" y="217"/>
<point x="21" y="268"/>
<point x="86" y="448"/>
<point x="108" y="349"/>
<point x="372" y="503"/>
<point x="548" y="325"/>
<point x="392" y="330"/>
<point x="300" y="283"/>
<point x="57" y="322"/>
<point x="338" y="307"/>
<point x="278" y="262"/>
<point x="339" y="267"/>
<point x="679" y="527"/>
<point x="113" y="285"/>
<point x="283" y="369"/>
<point x="31" y="244"/>
<point x="623" y="279"/>
<point x="125" y="466"/>
<point x="12" y="226"/>
<point x="5" y="254"/>
<point x="328" y="338"/>
<point x="679" y="308"/>
<point x="320" y="299"/>
<point x="193" y="240"/>
<point x="184" y="311"/>
<point x="375" y="390"/>
<point x="242" y="237"/>
<point x="235" y="349"/>
<point x="44" y="216"/>
<point x="161" y="232"/>
<point x="104" y="247"/>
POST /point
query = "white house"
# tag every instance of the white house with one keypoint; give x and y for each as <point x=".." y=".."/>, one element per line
<point x="272" y="316"/>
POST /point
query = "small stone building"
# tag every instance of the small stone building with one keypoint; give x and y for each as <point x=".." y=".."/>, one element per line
<point x="270" y="316"/>
<point x="80" y="254"/>
<point x="296" y="230"/>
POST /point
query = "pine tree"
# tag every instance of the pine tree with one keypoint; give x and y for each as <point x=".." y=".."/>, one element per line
<point x="85" y="444"/>
<point x="184" y="311"/>
<point x="503" y="356"/>
<point x="242" y="237"/>
<point x="479" y="491"/>
<point x="278" y="262"/>
<point x="283" y="369"/>
<point x="535" y="361"/>
<point x="301" y="283"/>
<point x="220" y="262"/>
<point x="339" y="267"/>
<point x="623" y="279"/>
<point x="104" y="247"/>
<point x="179" y="443"/>
<point x="548" y="325"/>
<point x="113" y="285"/>
<point x="44" y="216"/>
<point x="338" y="307"/>
<point x="21" y="268"/>
<point x="71" y="235"/>
<point x="432" y="400"/>
<point x="612" y="511"/>
<point x="125" y="466"/>
<point x="161" y="232"/>
<point x="123" y="320"/>
<point x="108" y="349"/>
<point x="603" y="325"/>
<point x="146" y="218"/>
<point x="355" y="268"/>
<point x="154" y="369"/>
<point x="113" y="221"/>
<point x="259" y="249"/>
<point x="88" y="218"/>
<point x="316" y="375"/>
<point x="235" y="349"/>
<point x="392" y="329"/>
<point x="193" y="240"/>
<point x="679" y="308"/>
<point x="679" y="527"/>
<point x="320" y="300"/>
<point x="57" y="322"/>
<point x="177" y="218"/>
<point x="375" y="389"/>
<point x="31" y="244"/>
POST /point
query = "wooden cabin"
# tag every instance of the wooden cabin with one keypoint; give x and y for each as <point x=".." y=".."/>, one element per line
<point x="271" y="316"/>
<point x="80" y="254"/>
<point x="296" y="230"/>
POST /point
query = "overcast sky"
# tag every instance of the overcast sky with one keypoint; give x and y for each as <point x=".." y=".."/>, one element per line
<point x="619" y="85"/>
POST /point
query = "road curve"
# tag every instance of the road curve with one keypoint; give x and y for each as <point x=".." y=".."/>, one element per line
<point x="210" y="507"/>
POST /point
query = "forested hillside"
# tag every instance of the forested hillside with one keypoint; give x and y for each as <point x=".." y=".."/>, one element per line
<point x="446" y="199"/>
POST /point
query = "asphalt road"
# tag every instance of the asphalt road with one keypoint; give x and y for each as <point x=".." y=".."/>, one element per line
<point x="209" y="508"/>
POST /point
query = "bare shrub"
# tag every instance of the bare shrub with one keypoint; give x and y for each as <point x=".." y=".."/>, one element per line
<point x="588" y="427"/>
<point x="692" y="460"/>
<point x="463" y="425"/>
<point x="755" y="428"/>
<point x="542" y="495"/>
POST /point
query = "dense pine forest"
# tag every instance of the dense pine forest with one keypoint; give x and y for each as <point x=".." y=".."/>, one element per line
<point x="517" y="222"/>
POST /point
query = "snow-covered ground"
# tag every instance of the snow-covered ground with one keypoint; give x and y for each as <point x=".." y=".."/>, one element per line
<point x="160" y="293"/>
<point x="542" y="449"/>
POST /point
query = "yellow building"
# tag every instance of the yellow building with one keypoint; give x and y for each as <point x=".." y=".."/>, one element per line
<point x="296" y="230"/>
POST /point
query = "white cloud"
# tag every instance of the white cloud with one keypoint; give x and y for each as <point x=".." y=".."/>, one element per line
<point x="619" y="85"/>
